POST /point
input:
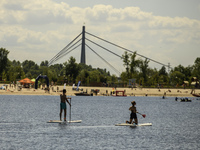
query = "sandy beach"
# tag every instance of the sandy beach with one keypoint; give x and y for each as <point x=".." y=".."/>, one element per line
<point x="56" y="90"/>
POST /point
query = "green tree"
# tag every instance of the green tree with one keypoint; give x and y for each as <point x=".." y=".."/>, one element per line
<point x="124" y="77"/>
<point x="71" y="68"/>
<point x="186" y="71"/>
<point x="154" y="77"/>
<point x="112" y="80"/>
<point x="94" y="76"/>
<point x="85" y="67"/>
<point x="131" y="64"/>
<point x="143" y="65"/>
<point x="125" y="58"/>
<point x="196" y="68"/>
<point x="83" y="76"/>
<point x="3" y="59"/>
<point x="134" y="64"/>
<point x="177" y="77"/>
<point x="15" y="63"/>
<point x="31" y="69"/>
<point x="163" y="71"/>
<point x="14" y="71"/>
<point x="163" y="76"/>
<point x="44" y="63"/>
<point x="58" y="69"/>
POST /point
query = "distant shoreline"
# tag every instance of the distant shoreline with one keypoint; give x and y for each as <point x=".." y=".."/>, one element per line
<point x="102" y="91"/>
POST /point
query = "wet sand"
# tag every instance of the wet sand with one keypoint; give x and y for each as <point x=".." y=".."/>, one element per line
<point x="102" y="91"/>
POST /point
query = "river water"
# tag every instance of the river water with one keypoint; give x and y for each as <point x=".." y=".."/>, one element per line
<point x="23" y="123"/>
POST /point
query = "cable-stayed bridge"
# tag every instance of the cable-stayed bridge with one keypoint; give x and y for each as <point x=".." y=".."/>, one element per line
<point x="81" y="42"/>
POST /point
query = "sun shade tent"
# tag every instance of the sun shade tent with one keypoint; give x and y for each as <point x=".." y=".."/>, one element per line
<point x="26" y="82"/>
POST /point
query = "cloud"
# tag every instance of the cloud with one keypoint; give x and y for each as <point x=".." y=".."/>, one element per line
<point x="172" y="23"/>
<point x="46" y="26"/>
<point x="13" y="6"/>
<point x="135" y="14"/>
<point x="35" y="12"/>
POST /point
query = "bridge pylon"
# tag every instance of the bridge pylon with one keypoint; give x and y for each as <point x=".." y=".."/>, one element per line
<point x="83" y="47"/>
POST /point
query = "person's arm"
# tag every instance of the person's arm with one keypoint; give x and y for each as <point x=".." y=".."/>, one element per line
<point x="68" y="101"/>
<point x="129" y="108"/>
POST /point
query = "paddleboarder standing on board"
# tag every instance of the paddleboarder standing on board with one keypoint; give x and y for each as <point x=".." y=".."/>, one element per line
<point x="133" y="114"/>
<point x="63" y="106"/>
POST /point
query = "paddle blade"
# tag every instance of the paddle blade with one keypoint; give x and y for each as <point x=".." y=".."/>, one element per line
<point x="143" y="115"/>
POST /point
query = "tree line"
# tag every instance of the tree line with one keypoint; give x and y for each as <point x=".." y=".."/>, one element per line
<point x="68" y="72"/>
<point x="71" y="72"/>
<point x="151" y="77"/>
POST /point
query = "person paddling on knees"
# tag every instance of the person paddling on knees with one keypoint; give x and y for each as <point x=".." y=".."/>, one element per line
<point x="63" y="106"/>
<point x="133" y="114"/>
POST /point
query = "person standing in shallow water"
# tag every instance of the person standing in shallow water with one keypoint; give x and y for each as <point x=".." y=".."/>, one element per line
<point x="63" y="106"/>
<point x="133" y="114"/>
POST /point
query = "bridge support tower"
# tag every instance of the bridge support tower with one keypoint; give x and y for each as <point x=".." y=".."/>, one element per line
<point x="83" y="47"/>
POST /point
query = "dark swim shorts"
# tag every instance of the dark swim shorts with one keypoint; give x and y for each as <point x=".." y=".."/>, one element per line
<point x="133" y="115"/>
<point x="63" y="106"/>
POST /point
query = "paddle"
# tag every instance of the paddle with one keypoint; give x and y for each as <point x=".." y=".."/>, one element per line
<point x="143" y="115"/>
<point x="70" y="111"/>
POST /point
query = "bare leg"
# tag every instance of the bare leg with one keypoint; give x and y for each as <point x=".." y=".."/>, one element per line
<point x="65" y="114"/>
<point x="60" y="114"/>
<point x="129" y="121"/>
<point x="136" y="121"/>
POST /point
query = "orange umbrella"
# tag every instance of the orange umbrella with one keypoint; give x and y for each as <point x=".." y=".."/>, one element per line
<point x="26" y="80"/>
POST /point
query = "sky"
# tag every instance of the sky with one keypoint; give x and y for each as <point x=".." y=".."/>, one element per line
<point x="167" y="31"/>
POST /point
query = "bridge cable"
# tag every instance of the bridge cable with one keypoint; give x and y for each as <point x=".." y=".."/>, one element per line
<point x="68" y="52"/>
<point x="104" y="60"/>
<point x="127" y="49"/>
<point x="65" y="53"/>
<point x="104" y="48"/>
<point x="51" y="61"/>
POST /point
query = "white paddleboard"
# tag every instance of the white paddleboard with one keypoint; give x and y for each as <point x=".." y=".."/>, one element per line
<point x="58" y="121"/>
<point x="134" y="125"/>
<point x="145" y="124"/>
<point x="126" y="124"/>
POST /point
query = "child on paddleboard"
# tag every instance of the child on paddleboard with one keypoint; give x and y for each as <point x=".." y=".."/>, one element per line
<point x="63" y="106"/>
<point x="133" y="114"/>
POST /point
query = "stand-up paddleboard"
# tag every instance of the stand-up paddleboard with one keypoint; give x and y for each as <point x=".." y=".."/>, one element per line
<point x="58" y="121"/>
<point x="134" y="125"/>
<point x="126" y="124"/>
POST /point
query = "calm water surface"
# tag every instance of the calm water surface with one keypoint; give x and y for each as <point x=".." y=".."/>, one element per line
<point x="176" y="125"/>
